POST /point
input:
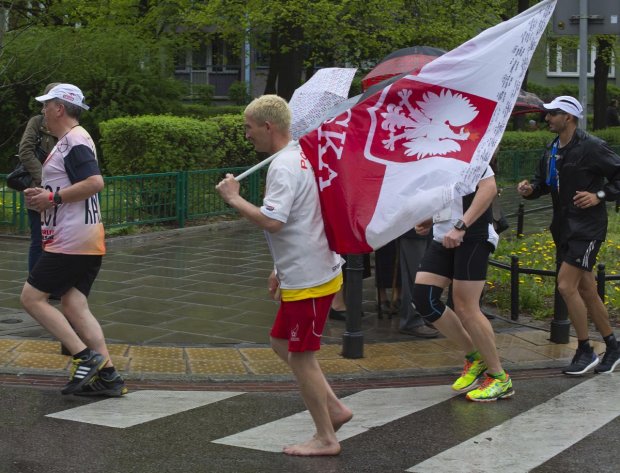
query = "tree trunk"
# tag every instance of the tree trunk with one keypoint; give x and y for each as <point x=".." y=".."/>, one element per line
<point x="601" y="71"/>
<point x="274" y="63"/>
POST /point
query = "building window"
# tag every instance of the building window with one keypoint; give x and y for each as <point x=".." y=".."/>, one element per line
<point x="563" y="61"/>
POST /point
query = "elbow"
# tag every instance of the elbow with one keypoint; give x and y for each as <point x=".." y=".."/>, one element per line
<point x="97" y="184"/>
<point x="273" y="226"/>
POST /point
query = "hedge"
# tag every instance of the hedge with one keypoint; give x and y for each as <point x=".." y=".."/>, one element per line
<point x="152" y="144"/>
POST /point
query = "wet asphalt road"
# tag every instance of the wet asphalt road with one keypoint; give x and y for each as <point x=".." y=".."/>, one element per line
<point x="33" y="443"/>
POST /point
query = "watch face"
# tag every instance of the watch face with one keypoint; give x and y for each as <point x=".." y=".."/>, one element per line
<point x="600" y="195"/>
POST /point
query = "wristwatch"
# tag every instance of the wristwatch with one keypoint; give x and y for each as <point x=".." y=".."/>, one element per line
<point x="57" y="198"/>
<point x="460" y="225"/>
<point x="601" y="195"/>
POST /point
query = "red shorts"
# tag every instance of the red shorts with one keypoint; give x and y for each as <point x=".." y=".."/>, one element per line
<point x="302" y="322"/>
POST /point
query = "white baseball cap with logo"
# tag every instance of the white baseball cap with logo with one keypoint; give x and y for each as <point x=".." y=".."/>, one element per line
<point x="567" y="104"/>
<point x="67" y="92"/>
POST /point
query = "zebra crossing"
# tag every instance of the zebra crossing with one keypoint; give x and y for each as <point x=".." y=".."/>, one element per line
<point x="519" y="443"/>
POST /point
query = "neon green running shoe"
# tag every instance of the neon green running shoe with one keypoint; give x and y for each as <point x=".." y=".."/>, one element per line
<point x="491" y="389"/>
<point x="472" y="371"/>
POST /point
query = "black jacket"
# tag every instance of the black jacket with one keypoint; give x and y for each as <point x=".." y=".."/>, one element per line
<point x="584" y="164"/>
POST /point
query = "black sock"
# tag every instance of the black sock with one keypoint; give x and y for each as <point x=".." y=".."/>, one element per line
<point x="108" y="370"/>
<point x="584" y="345"/>
<point x="611" y="342"/>
<point x="83" y="354"/>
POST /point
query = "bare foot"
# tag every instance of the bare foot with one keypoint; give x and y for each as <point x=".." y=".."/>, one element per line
<point x="313" y="447"/>
<point x="340" y="416"/>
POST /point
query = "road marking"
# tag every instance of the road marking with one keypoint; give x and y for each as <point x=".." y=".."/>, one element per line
<point x="141" y="406"/>
<point x="535" y="436"/>
<point x="371" y="408"/>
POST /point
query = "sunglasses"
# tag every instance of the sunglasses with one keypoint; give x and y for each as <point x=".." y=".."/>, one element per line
<point x="555" y="112"/>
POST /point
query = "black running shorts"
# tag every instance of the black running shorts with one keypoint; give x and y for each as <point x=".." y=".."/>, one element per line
<point x="466" y="262"/>
<point x="56" y="273"/>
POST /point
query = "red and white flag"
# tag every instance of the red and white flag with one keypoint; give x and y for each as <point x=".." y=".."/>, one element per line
<point x="402" y="154"/>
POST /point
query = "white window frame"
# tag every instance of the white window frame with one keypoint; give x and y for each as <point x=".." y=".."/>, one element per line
<point x="560" y="73"/>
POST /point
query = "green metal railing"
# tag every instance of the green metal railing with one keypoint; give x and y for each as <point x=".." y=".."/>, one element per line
<point x="172" y="197"/>
<point x="516" y="165"/>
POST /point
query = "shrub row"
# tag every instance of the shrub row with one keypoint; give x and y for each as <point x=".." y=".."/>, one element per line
<point x="151" y="144"/>
<point x="163" y="143"/>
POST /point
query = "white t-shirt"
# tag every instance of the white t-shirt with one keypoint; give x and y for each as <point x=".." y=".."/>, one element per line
<point x="73" y="228"/>
<point x="444" y="220"/>
<point x="300" y="250"/>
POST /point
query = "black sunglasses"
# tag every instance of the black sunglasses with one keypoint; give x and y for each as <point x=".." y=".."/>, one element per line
<point x="555" y="112"/>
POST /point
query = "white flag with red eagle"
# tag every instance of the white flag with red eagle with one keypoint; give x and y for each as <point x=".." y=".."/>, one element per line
<point x="405" y="152"/>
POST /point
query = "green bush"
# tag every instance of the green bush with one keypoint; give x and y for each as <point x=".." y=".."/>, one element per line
<point x="238" y="93"/>
<point x="153" y="144"/>
<point x="236" y="150"/>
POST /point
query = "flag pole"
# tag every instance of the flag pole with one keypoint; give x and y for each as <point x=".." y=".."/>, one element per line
<point x="256" y="167"/>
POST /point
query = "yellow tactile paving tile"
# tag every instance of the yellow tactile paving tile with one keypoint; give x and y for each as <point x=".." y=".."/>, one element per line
<point x="155" y="352"/>
<point x="41" y="361"/>
<point x="256" y="354"/>
<point x="276" y="366"/>
<point x="121" y="363"/>
<point x="213" y="354"/>
<point x="435" y="360"/>
<point x="157" y="365"/>
<point x="386" y="363"/>
<point x="8" y="345"/>
<point x="381" y="349"/>
<point x="232" y="367"/>
<point x="39" y="346"/>
<point x="517" y="354"/>
<point x="117" y="350"/>
<point x="329" y="352"/>
<point x="422" y="347"/>
<point x="6" y="358"/>
<point x="340" y="366"/>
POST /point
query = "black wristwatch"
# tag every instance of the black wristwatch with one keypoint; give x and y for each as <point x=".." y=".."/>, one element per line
<point x="601" y="195"/>
<point x="460" y="225"/>
<point x="57" y="198"/>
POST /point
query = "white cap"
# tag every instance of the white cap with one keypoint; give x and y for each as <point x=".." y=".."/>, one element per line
<point x="67" y="92"/>
<point x="567" y="104"/>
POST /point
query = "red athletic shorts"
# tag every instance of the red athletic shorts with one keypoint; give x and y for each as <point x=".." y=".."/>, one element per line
<point x="302" y="322"/>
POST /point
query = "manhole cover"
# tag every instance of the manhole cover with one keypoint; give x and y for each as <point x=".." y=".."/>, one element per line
<point x="11" y="321"/>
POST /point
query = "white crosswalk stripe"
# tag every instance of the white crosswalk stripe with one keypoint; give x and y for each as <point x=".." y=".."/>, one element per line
<point x="372" y="408"/>
<point x="518" y="445"/>
<point x="141" y="406"/>
<point x="535" y="436"/>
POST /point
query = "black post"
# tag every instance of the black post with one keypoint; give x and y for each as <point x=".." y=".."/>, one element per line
<point x="514" y="287"/>
<point x="560" y="325"/>
<point x="353" y="337"/>
<point x="600" y="281"/>
<point x="520" y="217"/>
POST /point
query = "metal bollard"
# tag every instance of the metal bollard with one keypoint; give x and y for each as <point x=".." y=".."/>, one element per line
<point x="514" y="287"/>
<point x="353" y="337"/>
<point x="600" y="281"/>
<point x="520" y="218"/>
<point x="560" y="325"/>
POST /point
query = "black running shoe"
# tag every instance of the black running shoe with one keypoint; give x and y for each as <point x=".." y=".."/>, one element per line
<point x="82" y="371"/>
<point x="104" y="384"/>
<point x="611" y="359"/>
<point x="583" y="361"/>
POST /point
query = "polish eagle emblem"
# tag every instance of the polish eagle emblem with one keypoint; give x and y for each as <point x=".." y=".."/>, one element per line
<point x="433" y="126"/>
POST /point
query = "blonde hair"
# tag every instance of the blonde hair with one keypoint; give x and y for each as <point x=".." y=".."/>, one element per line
<point x="270" y="108"/>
